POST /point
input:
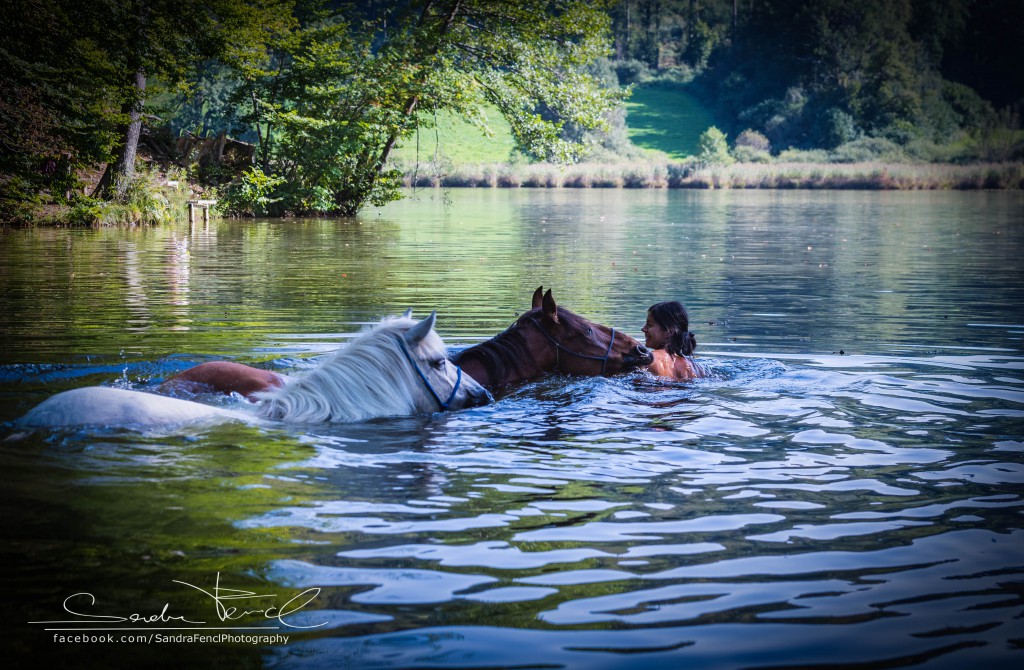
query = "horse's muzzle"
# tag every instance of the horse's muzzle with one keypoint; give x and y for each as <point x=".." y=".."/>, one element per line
<point x="479" y="397"/>
<point x="638" y="356"/>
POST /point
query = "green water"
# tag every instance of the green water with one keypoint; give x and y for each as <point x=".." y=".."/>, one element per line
<point x="845" y="487"/>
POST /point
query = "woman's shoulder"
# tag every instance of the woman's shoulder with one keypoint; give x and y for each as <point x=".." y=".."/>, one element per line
<point x="685" y="368"/>
<point x="662" y="365"/>
<point x="679" y="368"/>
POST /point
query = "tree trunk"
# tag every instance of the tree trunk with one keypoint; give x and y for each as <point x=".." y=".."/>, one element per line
<point x="119" y="174"/>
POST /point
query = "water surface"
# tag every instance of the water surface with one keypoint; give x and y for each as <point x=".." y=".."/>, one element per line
<point x="844" y="488"/>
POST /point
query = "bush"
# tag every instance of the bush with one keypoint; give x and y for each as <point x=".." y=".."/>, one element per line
<point x="251" y="194"/>
<point x="18" y="200"/>
<point x="792" y="155"/>
<point x="750" y="155"/>
<point x="85" y="212"/>
<point x="838" y="128"/>
<point x="868" y="149"/>
<point x="681" y="74"/>
<point x="971" y="110"/>
<point x="632" y="72"/>
<point x="144" y="201"/>
<point x="751" y="139"/>
<point x="901" y="131"/>
<point x="712" y="148"/>
<point x="679" y="173"/>
<point x="931" y="152"/>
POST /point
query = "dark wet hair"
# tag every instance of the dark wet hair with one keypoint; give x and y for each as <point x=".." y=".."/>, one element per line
<point x="672" y="316"/>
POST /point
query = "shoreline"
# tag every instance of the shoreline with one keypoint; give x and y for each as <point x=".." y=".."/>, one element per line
<point x="164" y="200"/>
<point x="782" y="176"/>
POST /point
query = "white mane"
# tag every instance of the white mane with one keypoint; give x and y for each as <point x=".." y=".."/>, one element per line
<point x="367" y="378"/>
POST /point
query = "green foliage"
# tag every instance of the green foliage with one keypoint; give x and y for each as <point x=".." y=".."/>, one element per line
<point x="712" y="148"/>
<point x="55" y="101"/>
<point x="610" y="140"/>
<point x="824" y="74"/>
<point x="206" y="104"/>
<point x="1000" y="140"/>
<point x="75" y="70"/>
<point x="85" y="212"/>
<point x="837" y="127"/>
<point x="665" y="35"/>
<point x="337" y="92"/>
<point x="868" y="149"/>
<point x="333" y="92"/>
<point x="970" y="110"/>
<point x="147" y="201"/>
<point x="18" y="199"/>
<point x="251" y="194"/>
<point x="752" y="147"/>
<point x="632" y="71"/>
<point x="328" y="90"/>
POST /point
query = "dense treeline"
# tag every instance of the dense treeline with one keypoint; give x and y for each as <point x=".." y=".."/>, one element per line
<point x="325" y="90"/>
<point x="819" y="74"/>
<point x="77" y="77"/>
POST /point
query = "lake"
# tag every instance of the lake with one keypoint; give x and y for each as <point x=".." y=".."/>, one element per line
<point x="846" y="487"/>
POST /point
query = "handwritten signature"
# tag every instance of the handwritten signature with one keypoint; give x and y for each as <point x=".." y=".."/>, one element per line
<point x="230" y="605"/>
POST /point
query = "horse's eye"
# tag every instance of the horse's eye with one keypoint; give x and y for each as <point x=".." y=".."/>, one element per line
<point x="438" y="363"/>
<point x="590" y="332"/>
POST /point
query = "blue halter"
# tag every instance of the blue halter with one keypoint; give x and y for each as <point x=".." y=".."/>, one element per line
<point x="458" y="380"/>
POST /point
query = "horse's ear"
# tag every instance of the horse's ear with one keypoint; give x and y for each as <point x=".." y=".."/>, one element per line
<point x="550" y="308"/>
<point x="408" y="314"/>
<point x="538" y="297"/>
<point x="421" y="329"/>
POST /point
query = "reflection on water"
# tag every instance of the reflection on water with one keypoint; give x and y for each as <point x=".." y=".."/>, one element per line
<point x="799" y="507"/>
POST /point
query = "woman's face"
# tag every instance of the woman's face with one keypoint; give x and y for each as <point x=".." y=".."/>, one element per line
<point x="655" y="336"/>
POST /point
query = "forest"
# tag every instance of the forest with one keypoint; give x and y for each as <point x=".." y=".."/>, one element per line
<point x="103" y="103"/>
<point x="819" y="74"/>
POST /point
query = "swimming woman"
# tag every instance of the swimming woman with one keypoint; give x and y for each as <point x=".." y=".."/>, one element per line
<point x="668" y="336"/>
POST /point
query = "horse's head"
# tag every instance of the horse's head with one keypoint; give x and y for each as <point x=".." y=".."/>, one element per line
<point x="443" y="384"/>
<point x="397" y="368"/>
<point x="576" y="345"/>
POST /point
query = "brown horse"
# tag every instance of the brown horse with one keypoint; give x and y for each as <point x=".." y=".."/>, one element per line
<point x="551" y="338"/>
<point x="224" y="377"/>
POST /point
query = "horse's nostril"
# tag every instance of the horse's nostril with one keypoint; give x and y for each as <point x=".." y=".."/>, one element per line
<point x="642" y="355"/>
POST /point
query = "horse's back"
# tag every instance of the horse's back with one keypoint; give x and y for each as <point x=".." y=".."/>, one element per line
<point x="225" y="377"/>
<point x="106" y="406"/>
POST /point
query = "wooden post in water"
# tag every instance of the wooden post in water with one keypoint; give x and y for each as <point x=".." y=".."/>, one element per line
<point x="205" y="204"/>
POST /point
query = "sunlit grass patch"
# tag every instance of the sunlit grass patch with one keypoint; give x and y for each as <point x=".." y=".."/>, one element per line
<point x="667" y="119"/>
<point x="454" y="141"/>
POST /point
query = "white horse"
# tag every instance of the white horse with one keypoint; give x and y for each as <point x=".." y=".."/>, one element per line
<point x="399" y="367"/>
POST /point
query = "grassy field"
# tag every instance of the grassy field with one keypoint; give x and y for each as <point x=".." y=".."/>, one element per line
<point x="666" y="122"/>
<point x="456" y="142"/>
<point x="666" y="119"/>
<point x="663" y="119"/>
